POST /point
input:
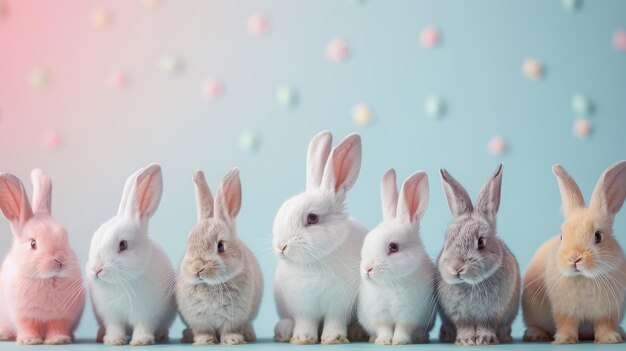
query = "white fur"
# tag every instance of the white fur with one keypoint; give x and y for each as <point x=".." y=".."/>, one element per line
<point x="317" y="277"/>
<point x="134" y="291"/>
<point x="396" y="300"/>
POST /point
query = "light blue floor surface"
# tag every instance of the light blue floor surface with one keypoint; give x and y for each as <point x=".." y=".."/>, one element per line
<point x="267" y="344"/>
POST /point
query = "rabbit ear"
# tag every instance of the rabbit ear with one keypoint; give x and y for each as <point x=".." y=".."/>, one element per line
<point x="458" y="199"/>
<point x="145" y="193"/>
<point x="319" y="149"/>
<point x="228" y="197"/>
<point x="42" y="191"/>
<point x="413" y="198"/>
<point x="121" y="210"/>
<point x="204" y="198"/>
<point x="571" y="196"/>
<point x="14" y="201"/>
<point x="389" y="194"/>
<point x="343" y="165"/>
<point x="488" y="201"/>
<point x="610" y="191"/>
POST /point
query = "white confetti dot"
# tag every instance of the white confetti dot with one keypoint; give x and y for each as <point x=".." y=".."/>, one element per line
<point x="572" y="5"/>
<point x="287" y="97"/>
<point x="430" y="37"/>
<point x="362" y="115"/>
<point x="39" y="77"/>
<point x="532" y="69"/>
<point x="51" y="140"/>
<point x="496" y="146"/>
<point x="258" y="24"/>
<point x="101" y="18"/>
<point x="151" y="3"/>
<point x="250" y="141"/>
<point x="337" y="50"/>
<point x="582" y="128"/>
<point x="212" y="89"/>
<point x="434" y="106"/>
<point x="581" y="105"/>
<point x="118" y="80"/>
<point x="171" y="65"/>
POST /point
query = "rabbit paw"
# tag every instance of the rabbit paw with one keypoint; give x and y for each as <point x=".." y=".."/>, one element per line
<point x="5" y="336"/>
<point x="115" y="341"/>
<point x="29" y="340"/>
<point x="283" y="330"/>
<point x="486" y="339"/>
<point x="204" y="339"/>
<point x="611" y="337"/>
<point x="142" y="340"/>
<point x="305" y="339"/>
<point x="335" y="339"/>
<point x="401" y="341"/>
<point x="467" y="341"/>
<point x="58" y="340"/>
<point x="233" y="339"/>
<point x="534" y="334"/>
<point x="383" y="340"/>
<point x="565" y="339"/>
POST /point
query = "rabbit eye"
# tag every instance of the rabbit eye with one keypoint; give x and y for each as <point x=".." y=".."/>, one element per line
<point x="481" y="243"/>
<point x="220" y="246"/>
<point x="312" y="218"/>
<point x="33" y="244"/>
<point x="123" y="245"/>
<point x="393" y="247"/>
<point x="598" y="237"/>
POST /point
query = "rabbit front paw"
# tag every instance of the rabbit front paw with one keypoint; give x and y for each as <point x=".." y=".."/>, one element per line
<point x="58" y="340"/>
<point x="560" y="338"/>
<point x="611" y="337"/>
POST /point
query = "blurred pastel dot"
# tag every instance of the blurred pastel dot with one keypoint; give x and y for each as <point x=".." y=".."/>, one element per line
<point x="250" y="141"/>
<point x="151" y="3"/>
<point x="496" y="146"/>
<point x="118" y="80"/>
<point x="582" y="128"/>
<point x="212" y="89"/>
<point x="572" y="5"/>
<point x="429" y="37"/>
<point x="434" y="106"/>
<point x="171" y="65"/>
<point x="39" y="77"/>
<point x="362" y="115"/>
<point x="532" y="69"/>
<point x="287" y="97"/>
<point x="258" y="24"/>
<point x="581" y="105"/>
<point x="51" y="140"/>
<point x="337" y="50"/>
<point x="619" y="40"/>
<point x="4" y="10"/>
<point x="101" y="18"/>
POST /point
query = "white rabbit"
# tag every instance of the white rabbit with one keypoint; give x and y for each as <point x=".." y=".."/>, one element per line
<point x="396" y="300"/>
<point x="131" y="278"/>
<point x="318" y="246"/>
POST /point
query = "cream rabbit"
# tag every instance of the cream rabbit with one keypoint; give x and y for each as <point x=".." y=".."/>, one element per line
<point x="575" y="284"/>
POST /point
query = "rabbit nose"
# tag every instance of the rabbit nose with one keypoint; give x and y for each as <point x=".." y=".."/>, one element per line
<point x="59" y="263"/>
<point x="198" y="272"/>
<point x="369" y="271"/>
<point x="574" y="260"/>
<point x="98" y="272"/>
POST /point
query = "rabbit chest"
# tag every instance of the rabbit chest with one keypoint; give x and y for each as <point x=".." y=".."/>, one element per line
<point x="45" y="298"/>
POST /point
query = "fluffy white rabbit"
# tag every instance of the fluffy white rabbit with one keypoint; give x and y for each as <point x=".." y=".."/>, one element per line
<point x="396" y="299"/>
<point x="318" y="246"/>
<point x="132" y="280"/>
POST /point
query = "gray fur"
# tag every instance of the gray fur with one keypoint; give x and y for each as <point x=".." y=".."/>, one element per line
<point x="477" y="305"/>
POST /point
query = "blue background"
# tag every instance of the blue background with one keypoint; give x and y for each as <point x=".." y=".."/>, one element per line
<point x="108" y="134"/>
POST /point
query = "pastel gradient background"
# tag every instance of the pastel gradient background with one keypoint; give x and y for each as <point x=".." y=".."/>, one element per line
<point x="108" y="132"/>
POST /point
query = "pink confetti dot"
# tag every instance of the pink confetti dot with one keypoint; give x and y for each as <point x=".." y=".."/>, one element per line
<point x="3" y="9"/>
<point x="337" y="50"/>
<point x="496" y="146"/>
<point x="258" y="25"/>
<point x="51" y="140"/>
<point x="118" y="80"/>
<point x="101" y="18"/>
<point x="582" y="128"/>
<point x="619" y="40"/>
<point x="429" y="37"/>
<point x="532" y="69"/>
<point x="212" y="89"/>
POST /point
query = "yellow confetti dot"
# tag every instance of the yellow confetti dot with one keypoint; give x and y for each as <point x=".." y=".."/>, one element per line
<point x="101" y="18"/>
<point x="362" y="115"/>
<point x="39" y="77"/>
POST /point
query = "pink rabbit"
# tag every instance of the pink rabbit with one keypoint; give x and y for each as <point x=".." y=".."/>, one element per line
<point x="42" y="293"/>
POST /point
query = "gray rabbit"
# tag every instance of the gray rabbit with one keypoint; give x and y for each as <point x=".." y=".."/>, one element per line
<point x="479" y="281"/>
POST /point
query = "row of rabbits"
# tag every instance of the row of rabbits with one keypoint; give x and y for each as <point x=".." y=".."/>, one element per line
<point x="331" y="274"/>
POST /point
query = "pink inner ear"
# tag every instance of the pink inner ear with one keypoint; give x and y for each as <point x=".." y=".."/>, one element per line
<point x="343" y="162"/>
<point x="232" y="197"/>
<point x="13" y="201"/>
<point x="411" y="198"/>
<point x="146" y="195"/>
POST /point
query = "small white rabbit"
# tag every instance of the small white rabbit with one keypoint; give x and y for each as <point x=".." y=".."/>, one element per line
<point x="220" y="286"/>
<point x="396" y="300"/>
<point x="318" y="246"/>
<point x="131" y="278"/>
